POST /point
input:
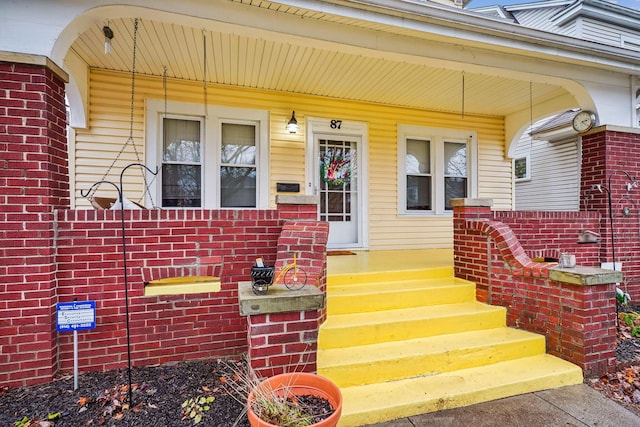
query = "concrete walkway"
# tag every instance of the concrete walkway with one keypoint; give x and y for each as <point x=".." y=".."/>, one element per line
<point x="571" y="406"/>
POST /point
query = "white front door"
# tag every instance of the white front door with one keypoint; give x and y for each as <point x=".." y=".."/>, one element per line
<point x="338" y="188"/>
<point x="336" y="155"/>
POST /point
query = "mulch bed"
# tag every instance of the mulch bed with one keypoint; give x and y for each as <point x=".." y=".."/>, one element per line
<point x="203" y="386"/>
<point x="158" y="395"/>
<point x="623" y="384"/>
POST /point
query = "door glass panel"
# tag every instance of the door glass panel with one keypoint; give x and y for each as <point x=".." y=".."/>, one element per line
<point x="337" y="179"/>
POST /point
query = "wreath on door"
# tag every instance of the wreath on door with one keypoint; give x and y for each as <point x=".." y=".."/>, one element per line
<point x="335" y="169"/>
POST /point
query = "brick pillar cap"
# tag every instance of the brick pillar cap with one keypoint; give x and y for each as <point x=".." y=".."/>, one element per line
<point x="475" y="203"/>
<point x="31" y="59"/>
<point x="290" y="199"/>
<point x="279" y="299"/>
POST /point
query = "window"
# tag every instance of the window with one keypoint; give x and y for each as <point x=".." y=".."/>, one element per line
<point x="181" y="163"/>
<point x="521" y="168"/>
<point x="434" y="166"/>
<point x="418" y="171"/>
<point x="238" y="166"/>
<point x="217" y="160"/>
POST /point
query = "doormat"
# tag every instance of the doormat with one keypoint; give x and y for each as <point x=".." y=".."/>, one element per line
<point x="330" y="253"/>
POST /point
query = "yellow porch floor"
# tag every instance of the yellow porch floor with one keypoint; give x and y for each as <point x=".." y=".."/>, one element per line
<point x="390" y="260"/>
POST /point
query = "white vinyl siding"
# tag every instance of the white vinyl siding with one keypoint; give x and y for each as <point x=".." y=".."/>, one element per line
<point x="538" y="18"/>
<point x="554" y="183"/>
<point x="606" y="33"/>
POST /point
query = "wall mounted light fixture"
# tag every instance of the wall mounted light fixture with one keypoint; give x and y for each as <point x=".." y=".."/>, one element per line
<point x="108" y="35"/>
<point x="292" y="125"/>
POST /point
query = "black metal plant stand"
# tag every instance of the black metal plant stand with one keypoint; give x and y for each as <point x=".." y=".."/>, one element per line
<point x="124" y="256"/>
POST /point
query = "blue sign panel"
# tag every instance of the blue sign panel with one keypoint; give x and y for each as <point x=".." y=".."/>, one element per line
<point x="75" y="316"/>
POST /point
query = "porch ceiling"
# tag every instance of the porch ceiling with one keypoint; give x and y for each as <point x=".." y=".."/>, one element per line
<point x="309" y="66"/>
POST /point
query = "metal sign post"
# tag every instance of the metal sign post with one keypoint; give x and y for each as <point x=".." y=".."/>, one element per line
<point x="75" y="316"/>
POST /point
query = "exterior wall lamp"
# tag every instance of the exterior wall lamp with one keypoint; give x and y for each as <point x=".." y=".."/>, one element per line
<point x="292" y="125"/>
<point x="108" y="35"/>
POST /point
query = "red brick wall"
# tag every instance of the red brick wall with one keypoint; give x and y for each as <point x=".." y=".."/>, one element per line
<point x="283" y="342"/>
<point x="578" y="321"/>
<point x="34" y="182"/>
<point x="547" y="234"/>
<point x="162" y="328"/>
<point x="309" y="241"/>
<point x="288" y="342"/>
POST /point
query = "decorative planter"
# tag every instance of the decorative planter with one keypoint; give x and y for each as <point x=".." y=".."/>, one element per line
<point x="261" y="279"/>
<point x="298" y="384"/>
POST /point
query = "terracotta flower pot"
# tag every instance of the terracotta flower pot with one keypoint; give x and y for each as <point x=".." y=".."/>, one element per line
<point x="299" y="383"/>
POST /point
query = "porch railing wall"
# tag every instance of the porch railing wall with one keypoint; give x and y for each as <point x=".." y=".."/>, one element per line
<point x="494" y="249"/>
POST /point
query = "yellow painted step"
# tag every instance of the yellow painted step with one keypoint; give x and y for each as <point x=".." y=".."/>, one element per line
<point x="345" y="330"/>
<point x="386" y="276"/>
<point x="364" y="297"/>
<point x="426" y="356"/>
<point x="380" y="402"/>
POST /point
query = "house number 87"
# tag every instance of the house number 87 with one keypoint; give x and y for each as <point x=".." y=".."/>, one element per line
<point x="336" y="124"/>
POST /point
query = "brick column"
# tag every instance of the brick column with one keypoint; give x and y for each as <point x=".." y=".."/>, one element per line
<point x="35" y="180"/>
<point x="282" y="328"/>
<point x="608" y="152"/>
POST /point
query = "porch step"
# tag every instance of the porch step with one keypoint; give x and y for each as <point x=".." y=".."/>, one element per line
<point x="374" y="403"/>
<point x="387" y="276"/>
<point x="404" y="343"/>
<point x="390" y="361"/>
<point x="393" y="294"/>
<point x="348" y="330"/>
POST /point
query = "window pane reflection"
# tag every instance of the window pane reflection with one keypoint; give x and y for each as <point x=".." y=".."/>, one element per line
<point x="455" y="159"/>
<point x="237" y="187"/>
<point x="238" y="144"/>
<point x="418" y="193"/>
<point x="418" y="156"/>
<point x="454" y="188"/>
<point x="181" y="186"/>
<point x="181" y="141"/>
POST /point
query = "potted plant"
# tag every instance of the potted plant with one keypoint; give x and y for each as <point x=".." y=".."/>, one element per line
<point x="293" y="400"/>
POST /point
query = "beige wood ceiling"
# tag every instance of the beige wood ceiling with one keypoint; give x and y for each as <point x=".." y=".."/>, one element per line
<point x="276" y="64"/>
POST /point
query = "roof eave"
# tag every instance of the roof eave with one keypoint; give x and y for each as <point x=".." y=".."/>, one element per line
<point x="472" y="27"/>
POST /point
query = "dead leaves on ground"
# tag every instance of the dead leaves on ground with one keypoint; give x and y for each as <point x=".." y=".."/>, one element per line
<point x="623" y="385"/>
<point x="112" y="402"/>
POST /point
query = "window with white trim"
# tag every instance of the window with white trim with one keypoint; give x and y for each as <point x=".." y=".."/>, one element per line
<point x="522" y="168"/>
<point x="434" y="166"/>
<point x="217" y="160"/>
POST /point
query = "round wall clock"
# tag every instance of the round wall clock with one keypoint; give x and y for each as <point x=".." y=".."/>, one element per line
<point x="583" y="121"/>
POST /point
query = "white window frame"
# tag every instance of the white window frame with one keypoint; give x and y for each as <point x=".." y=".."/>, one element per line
<point x="527" y="176"/>
<point x="212" y="118"/>
<point x="437" y="136"/>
